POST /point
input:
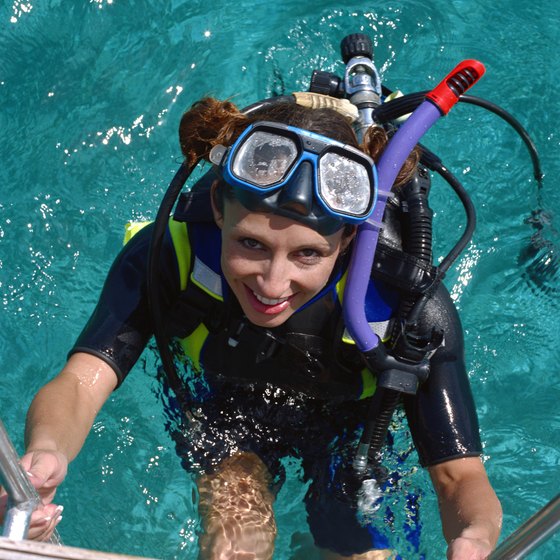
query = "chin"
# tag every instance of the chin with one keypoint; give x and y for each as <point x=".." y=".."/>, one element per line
<point x="267" y="321"/>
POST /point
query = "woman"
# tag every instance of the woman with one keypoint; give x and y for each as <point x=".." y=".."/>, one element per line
<point x="249" y="284"/>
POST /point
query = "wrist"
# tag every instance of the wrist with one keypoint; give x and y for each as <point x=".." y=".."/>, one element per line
<point x="480" y="531"/>
<point x="39" y="443"/>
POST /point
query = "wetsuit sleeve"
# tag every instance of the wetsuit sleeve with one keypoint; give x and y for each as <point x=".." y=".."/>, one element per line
<point x="442" y="416"/>
<point x="120" y="326"/>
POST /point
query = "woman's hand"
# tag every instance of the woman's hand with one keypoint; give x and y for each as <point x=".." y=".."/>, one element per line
<point x="46" y="470"/>
<point x="58" y="422"/>
<point x="44" y="521"/>
<point x="467" y="548"/>
<point x="470" y="510"/>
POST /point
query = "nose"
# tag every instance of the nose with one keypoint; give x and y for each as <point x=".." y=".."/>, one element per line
<point x="274" y="279"/>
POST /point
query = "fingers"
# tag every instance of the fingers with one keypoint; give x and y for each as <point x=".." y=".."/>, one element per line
<point x="45" y="466"/>
<point x="46" y="470"/>
<point x="45" y="489"/>
<point x="44" y="521"/>
<point x="39" y="467"/>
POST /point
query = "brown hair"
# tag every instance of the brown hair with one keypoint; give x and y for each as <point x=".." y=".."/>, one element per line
<point x="210" y="122"/>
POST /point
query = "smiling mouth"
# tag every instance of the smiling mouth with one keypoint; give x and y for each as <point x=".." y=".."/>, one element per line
<point x="268" y="306"/>
<point x="270" y="301"/>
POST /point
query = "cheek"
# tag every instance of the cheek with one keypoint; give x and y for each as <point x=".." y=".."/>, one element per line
<point x="234" y="264"/>
<point x="315" y="279"/>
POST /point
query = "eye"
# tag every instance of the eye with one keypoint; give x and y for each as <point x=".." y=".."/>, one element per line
<point x="308" y="256"/>
<point x="250" y="243"/>
<point x="309" y="253"/>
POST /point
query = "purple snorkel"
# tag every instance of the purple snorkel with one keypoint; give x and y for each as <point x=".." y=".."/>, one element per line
<point x="394" y="376"/>
<point x="438" y="103"/>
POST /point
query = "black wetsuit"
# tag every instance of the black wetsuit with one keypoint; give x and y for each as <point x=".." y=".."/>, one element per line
<point x="269" y="417"/>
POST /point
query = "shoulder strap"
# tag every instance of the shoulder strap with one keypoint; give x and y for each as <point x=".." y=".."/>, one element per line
<point x="194" y="205"/>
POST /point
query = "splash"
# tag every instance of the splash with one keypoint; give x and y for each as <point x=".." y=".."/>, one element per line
<point x="369" y="500"/>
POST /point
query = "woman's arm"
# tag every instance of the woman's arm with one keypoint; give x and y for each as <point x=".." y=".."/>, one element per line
<point x="58" y="422"/>
<point x="470" y="511"/>
<point x="62" y="413"/>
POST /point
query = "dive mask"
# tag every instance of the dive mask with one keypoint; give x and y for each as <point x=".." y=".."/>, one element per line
<point x="273" y="167"/>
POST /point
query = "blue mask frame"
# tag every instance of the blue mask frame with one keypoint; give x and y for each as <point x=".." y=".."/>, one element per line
<point x="298" y="192"/>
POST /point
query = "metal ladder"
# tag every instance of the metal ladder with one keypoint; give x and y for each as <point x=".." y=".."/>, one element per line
<point x="23" y="499"/>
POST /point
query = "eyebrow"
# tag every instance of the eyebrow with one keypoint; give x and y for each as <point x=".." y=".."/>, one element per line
<point x="319" y="244"/>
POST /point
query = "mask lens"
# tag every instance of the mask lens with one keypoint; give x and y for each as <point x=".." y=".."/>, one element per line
<point x="345" y="184"/>
<point x="264" y="158"/>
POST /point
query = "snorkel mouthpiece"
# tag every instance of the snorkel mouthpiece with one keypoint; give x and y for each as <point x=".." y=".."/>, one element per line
<point x="457" y="82"/>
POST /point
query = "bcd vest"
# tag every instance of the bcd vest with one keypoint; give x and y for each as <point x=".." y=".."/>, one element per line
<point x="311" y="351"/>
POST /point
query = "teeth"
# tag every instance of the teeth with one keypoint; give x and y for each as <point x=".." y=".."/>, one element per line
<point x="268" y="301"/>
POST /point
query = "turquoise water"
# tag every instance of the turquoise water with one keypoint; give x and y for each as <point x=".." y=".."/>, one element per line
<point x="90" y="98"/>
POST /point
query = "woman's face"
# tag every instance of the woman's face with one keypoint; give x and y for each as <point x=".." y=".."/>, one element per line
<point x="274" y="264"/>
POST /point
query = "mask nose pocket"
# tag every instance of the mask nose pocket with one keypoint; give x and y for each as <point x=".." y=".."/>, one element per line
<point x="297" y="195"/>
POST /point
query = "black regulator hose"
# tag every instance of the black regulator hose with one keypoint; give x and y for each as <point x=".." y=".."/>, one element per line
<point x="381" y="409"/>
<point x="516" y="125"/>
<point x="419" y="220"/>
<point x="434" y="163"/>
<point x="400" y="106"/>
<point x="153" y="278"/>
<point x="417" y="241"/>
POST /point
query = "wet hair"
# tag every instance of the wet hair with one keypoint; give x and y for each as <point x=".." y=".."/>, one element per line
<point x="210" y="122"/>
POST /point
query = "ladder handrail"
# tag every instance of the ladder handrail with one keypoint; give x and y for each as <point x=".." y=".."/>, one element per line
<point x="33" y="550"/>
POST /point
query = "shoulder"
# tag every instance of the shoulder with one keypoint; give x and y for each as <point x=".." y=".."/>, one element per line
<point x="440" y="312"/>
<point x="136" y="243"/>
<point x="133" y="259"/>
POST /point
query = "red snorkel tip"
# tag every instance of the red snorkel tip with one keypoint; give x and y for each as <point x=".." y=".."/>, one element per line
<point x="457" y="82"/>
